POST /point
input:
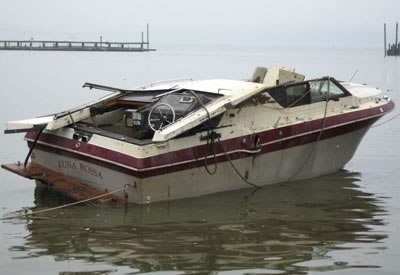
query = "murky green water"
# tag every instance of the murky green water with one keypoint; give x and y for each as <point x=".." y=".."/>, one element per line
<point x="347" y="222"/>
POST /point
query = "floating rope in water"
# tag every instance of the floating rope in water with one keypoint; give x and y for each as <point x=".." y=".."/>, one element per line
<point x="68" y="205"/>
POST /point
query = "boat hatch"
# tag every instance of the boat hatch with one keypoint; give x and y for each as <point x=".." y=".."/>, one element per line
<point x="62" y="119"/>
<point x="51" y="122"/>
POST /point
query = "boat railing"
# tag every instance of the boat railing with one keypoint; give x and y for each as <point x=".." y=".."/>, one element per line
<point x="164" y="82"/>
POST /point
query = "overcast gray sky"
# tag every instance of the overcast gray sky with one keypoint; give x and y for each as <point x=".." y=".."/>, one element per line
<point x="205" y="22"/>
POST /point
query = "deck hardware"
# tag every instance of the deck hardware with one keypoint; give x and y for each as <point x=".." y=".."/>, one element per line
<point x="210" y="135"/>
<point x="256" y="141"/>
<point x="125" y="192"/>
<point x="277" y="122"/>
<point x="162" y="144"/>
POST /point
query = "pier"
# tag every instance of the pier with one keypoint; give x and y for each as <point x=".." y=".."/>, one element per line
<point x="99" y="46"/>
<point x="392" y="49"/>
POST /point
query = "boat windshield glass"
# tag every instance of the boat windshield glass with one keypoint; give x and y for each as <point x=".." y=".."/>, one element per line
<point x="290" y="96"/>
<point x="319" y="90"/>
<point x="307" y="92"/>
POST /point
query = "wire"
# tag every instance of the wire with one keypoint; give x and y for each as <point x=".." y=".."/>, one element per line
<point x="319" y="135"/>
<point x="380" y="124"/>
<point x="210" y="132"/>
<point x="67" y="205"/>
<point x="33" y="146"/>
<point x="235" y="169"/>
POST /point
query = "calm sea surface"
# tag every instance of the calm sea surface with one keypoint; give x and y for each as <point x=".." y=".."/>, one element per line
<point x="344" y="223"/>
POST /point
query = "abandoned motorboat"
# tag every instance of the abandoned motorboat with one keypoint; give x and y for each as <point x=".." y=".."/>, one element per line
<point x="186" y="138"/>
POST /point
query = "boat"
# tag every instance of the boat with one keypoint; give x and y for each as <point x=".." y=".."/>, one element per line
<point x="187" y="138"/>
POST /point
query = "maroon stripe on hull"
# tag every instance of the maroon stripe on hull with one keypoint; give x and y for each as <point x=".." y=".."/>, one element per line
<point x="276" y="146"/>
<point x="203" y="150"/>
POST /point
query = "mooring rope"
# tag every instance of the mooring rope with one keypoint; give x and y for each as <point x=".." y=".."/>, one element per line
<point x="210" y="145"/>
<point x="256" y="185"/>
<point x="319" y="135"/>
<point x="382" y="123"/>
<point x="235" y="168"/>
<point x="69" y="204"/>
<point x="33" y="146"/>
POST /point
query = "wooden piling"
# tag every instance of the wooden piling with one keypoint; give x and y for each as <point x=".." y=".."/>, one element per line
<point x="384" y="37"/>
<point x="397" y="34"/>
<point x="392" y="49"/>
<point x="148" y="36"/>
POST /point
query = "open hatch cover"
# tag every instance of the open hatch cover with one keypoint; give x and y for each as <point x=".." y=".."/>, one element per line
<point x="62" y="119"/>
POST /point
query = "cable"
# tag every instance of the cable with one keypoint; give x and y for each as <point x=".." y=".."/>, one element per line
<point x="212" y="146"/>
<point x="230" y="160"/>
<point x="235" y="169"/>
<point x="319" y="136"/>
<point x="209" y="145"/>
<point x="68" y="205"/>
<point x="33" y="146"/>
<point x="380" y="124"/>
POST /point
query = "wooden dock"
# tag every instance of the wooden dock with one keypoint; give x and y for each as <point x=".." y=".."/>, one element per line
<point x="392" y="49"/>
<point x="92" y="46"/>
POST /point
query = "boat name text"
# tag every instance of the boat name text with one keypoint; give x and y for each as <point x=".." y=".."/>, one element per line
<point x="71" y="165"/>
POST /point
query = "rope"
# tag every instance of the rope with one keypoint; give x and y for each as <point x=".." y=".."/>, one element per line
<point x="67" y="205"/>
<point x="227" y="155"/>
<point x="235" y="169"/>
<point x="210" y="145"/>
<point x="33" y="146"/>
<point x="319" y="135"/>
<point x="380" y="124"/>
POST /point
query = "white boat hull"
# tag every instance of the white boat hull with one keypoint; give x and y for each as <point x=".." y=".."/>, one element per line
<point x="299" y="162"/>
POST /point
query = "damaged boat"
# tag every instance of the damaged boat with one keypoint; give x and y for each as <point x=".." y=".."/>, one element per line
<point x="187" y="138"/>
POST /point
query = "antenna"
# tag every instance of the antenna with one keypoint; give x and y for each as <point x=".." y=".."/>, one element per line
<point x="387" y="83"/>
<point x="353" y="75"/>
<point x="148" y="39"/>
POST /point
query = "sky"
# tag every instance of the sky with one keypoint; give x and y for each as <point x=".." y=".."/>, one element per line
<point x="335" y="23"/>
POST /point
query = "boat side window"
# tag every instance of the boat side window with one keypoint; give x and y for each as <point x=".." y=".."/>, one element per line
<point x="319" y="90"/>
<point x="290" y="96"/>
<point x="297" y="95"/>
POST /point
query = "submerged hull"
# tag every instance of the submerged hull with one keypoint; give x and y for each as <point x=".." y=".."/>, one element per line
<point x="306" y="156"/>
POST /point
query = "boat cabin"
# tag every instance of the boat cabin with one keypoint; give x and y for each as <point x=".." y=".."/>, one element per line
<point x="160" y="112"/>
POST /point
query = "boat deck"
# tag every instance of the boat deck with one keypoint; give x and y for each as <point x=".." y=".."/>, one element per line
<point x="62" y="184"/>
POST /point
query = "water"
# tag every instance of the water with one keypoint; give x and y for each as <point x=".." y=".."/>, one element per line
<point x="344" y="223"/>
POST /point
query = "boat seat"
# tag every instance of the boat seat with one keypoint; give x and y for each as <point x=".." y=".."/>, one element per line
<point x="276" y="75"/>
<point x="259" y="75"/>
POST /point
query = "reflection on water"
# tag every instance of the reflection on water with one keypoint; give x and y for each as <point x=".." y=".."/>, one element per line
<point x="291" y="228"/>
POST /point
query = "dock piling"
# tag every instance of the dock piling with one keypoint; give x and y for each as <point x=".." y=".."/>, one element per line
<point x="384" y="37"/>
<point x="397" y="34"/>
<point x="392" y="49"/>
<point x="148" y="37"/>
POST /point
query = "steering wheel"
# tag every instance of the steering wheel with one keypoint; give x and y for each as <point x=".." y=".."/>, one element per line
<point x="160" y="116"/>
